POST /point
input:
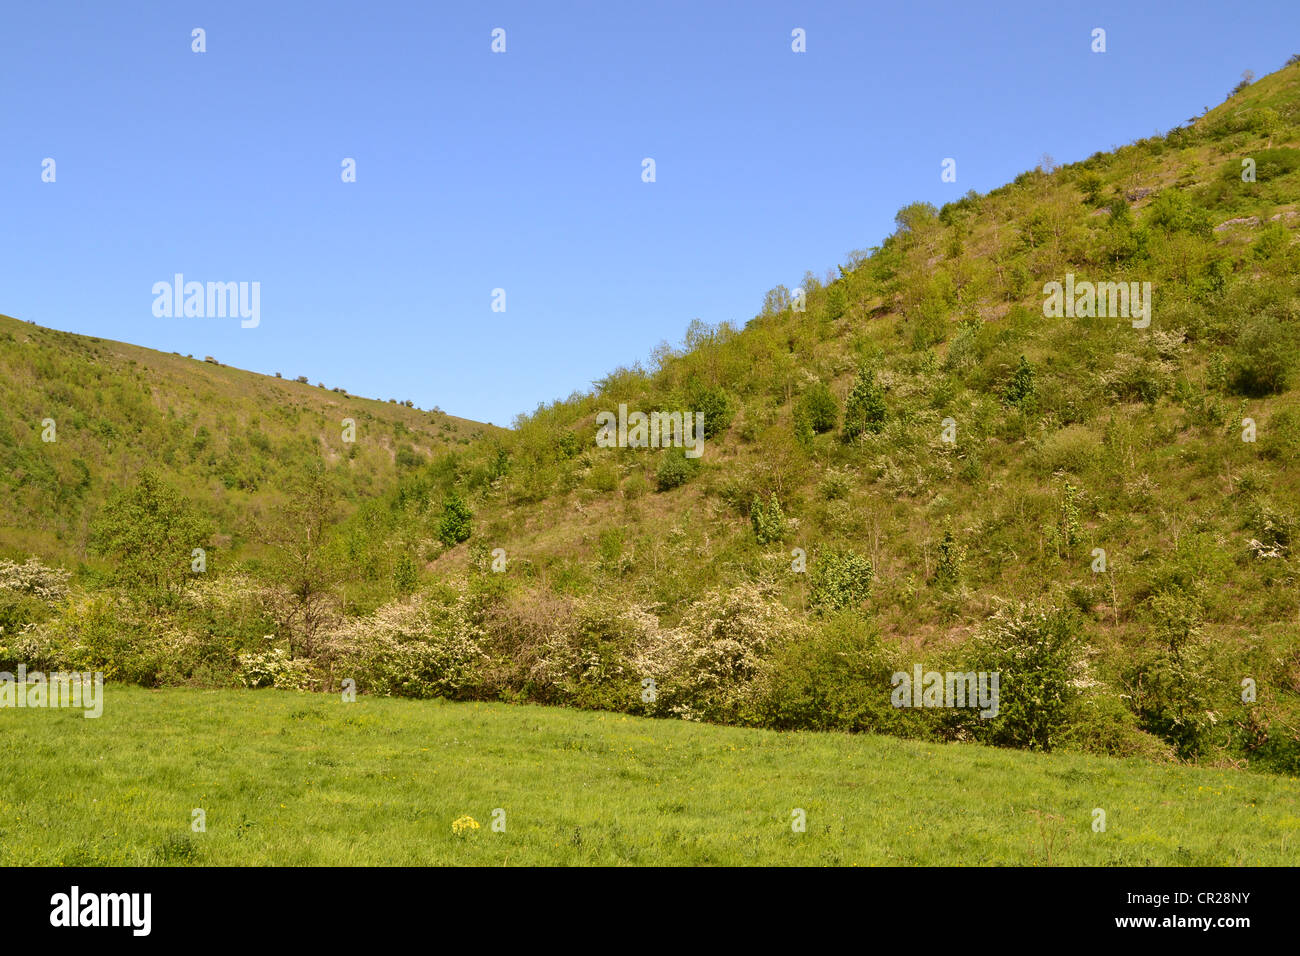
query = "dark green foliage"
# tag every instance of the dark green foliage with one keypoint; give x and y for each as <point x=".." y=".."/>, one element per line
<point x="716" y="404"/>
<point x="819" y="408"/>
<point x="455" y="524"/>
<point x="1020" y="388"/>
<point x="675" y="469"/>
<point x="1263" y="359"/>
<point x="864" y="410"/>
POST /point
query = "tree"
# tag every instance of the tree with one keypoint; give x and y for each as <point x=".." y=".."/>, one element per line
<point x="304" y="569"/>
<point x="768" y="520"/>
<point x="454" y="526"/>
<point x="776" y="301"/>
<point x="1020" y="389"/>
<point x="405" y="574"/>
<point x="836" y="301"/>
<point x="150" y="532"/>
<point x="818" y="407"/>
<point x="914" y="217"/>
<point x="864" y="411"/>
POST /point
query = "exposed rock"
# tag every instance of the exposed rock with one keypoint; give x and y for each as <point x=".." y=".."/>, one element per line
<point x="1247" y="221"/>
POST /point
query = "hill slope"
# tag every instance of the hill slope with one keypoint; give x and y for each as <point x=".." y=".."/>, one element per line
<point x="927" y="465"/>
<point x="227" y="436"/>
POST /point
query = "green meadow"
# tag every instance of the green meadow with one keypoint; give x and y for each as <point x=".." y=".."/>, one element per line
<point x="288" y="778"/>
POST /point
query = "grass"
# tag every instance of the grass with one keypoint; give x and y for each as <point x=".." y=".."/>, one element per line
<point x="299" y="779"/>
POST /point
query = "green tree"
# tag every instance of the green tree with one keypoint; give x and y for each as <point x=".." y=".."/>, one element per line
<point x="405" y="574"/>
<point x="839" y="579"/>
<point x="837" y="300"/>
<point x="716" y="404"/>
<point x="674" y="469"/>
<point x="819" y="408"/>
<point x="150" y="532"/>
<point x="1020" y="389"/>
<point x="455" y="525"/>
<point x="768" y="520"/>
<point x="776" y="301"/>
<point x="864" y="411"/>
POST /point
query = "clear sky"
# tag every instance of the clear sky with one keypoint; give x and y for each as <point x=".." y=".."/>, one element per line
<point x="523" y="170"/>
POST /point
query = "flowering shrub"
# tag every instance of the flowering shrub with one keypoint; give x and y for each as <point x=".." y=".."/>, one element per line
<point x="274" y="668"/>
<point x="411" y="648"/>
<point x="711" y="666"/>
<point x="34" y="578"/>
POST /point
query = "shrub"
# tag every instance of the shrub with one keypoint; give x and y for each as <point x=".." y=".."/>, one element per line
<point x="405" y="574"/>
<point x="836" y="679"/>
<point x="864" y="411"/>
<point x="588" y="662"/>
<point x="717" y="405"/>
<point x="1174" y="211"/>
<point x="34" y="579"/>
<point x="1020" y="389"/>
<point x="839" y="580"/>
<point x="454" y="526"/>
<point x="837" y="301"/>
<point x="768" y="519"/>
<point x="274" y="668"/>
<point x="411" y="648"/>
<point x="1039" y="656"/>
<point x="674" y="469"/>
<point x="951" y="556"/>
<point x="1262" y="363"/>
<point x="819" y="408"/>
<point x="714" y="666"/>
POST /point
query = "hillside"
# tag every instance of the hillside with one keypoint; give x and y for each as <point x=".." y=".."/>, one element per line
<point x="928" y="465"/>
<point x="229" y="437"/>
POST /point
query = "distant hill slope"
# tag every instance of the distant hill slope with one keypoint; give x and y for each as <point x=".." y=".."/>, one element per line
<point x="224" y="436"/>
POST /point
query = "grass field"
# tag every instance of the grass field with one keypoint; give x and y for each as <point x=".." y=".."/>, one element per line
<point x="296" y="779"/>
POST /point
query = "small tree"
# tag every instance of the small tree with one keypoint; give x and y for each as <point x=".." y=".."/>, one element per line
<point x="865" y="409"/>
<point x="776" y="301"/>
<point x="819" y="408"/>
<point x="1020" y="390"/>
<point x="150" y="533"/>
<point x="768" y="520"/>
<point x="837" y="300"/>
<point x="455" y="525"/>
<point x="405" y="574"/>
<point x="674" y="469"/>
<point x="839" y="579"/>
<point x="951" y="557"/>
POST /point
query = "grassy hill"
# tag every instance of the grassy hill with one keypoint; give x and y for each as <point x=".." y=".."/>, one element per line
<point x="319" y="782"/>
<point x="228" y="437"/>
<point x="921" y="466"/>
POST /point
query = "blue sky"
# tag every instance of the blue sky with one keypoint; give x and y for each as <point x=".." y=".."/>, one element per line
<point x="522" y="170"/>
